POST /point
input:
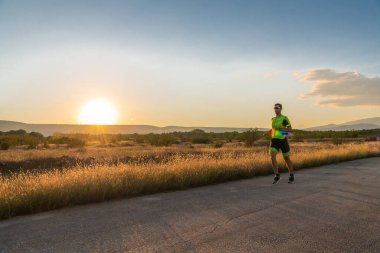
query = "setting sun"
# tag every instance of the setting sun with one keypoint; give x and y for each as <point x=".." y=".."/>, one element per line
<point x="98" y="112"/>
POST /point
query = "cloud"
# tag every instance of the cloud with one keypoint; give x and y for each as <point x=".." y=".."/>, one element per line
<point x="342" y="89"/>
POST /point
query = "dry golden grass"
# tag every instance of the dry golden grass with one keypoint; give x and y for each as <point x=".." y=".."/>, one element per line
<point x="25" y="192"/>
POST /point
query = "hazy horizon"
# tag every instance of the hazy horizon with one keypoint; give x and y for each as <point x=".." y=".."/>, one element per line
<point x="189" y="63"/>
<point x="367" y="121"/>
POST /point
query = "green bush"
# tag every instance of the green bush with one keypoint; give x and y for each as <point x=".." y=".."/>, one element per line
<point x="201" y="139"/>
<point x="337" y="141"/>
<point x="198" y="136"/>
<point x="71" y="142"/>
<point x="218" y="144"/>
<point x="76" y="143"/>
<point x="250" y="137"/>
<point x="164" y="139"/>
<point x="4" y="145"/>
<point x="36" y="135"/>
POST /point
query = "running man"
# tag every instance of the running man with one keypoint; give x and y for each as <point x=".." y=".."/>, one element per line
<point x="279" y="141"/>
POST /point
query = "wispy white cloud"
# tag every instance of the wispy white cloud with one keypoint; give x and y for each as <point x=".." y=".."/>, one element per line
<point x="342" y="89"/>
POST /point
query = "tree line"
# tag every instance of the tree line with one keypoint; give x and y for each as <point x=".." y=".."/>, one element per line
<point x="31" y="140"/>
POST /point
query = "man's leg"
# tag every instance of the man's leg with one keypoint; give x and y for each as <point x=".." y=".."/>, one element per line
<point x="289" y="163"/>
<point x="285" y="149"/>
<point x="273" y="153"/>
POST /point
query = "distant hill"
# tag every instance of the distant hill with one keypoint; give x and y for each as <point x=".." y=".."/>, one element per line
<point x="11" y="125"/>
<point x="369" y="123"/>
<point x="374" y="121"/>
<point x="49" y="129"/>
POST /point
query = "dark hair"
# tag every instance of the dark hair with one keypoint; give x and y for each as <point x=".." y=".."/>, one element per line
<point x="280" y="105"/>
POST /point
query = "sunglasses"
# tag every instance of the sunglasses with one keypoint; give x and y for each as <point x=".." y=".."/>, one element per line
<point x="277" y="108"/>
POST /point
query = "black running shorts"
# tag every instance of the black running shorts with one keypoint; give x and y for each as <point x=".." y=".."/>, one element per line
<point x="277" y="144"/>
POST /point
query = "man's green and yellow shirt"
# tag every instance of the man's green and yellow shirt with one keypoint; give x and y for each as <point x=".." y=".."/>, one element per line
<point x="279" y="122"/>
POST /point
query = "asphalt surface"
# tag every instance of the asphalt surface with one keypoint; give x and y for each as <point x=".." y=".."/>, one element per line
<point x="334" y="208"/>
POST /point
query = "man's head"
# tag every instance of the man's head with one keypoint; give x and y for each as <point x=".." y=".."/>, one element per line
<point x="277" y="108"/>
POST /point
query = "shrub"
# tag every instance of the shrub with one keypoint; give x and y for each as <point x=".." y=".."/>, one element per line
<point x="4" y="145"/>
<point x="337" y="141"/>
<point x="218" y="144"/>
<point x="250" y="137"/>
<point x="371" y="138"/>
<point x="198" y="136"/>
<point x="76" y="143"/>
<point x="20" y="132"/>
<point x="201" y="139"/>
<point x="36" y="135"/>
<point x="164" y="139"/>
<point x="32" y="143"/>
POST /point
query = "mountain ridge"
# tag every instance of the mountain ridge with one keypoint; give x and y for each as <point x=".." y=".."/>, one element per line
<point x="367" y="123"/>
<point x="50" y="129"/>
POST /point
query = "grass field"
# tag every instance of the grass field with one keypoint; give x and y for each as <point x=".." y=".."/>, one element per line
<point x="100" y="174"/>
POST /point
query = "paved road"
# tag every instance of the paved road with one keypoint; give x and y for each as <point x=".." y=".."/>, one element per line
<point x="333" y="208"/>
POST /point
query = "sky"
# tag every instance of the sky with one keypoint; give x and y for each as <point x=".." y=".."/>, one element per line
<point x="191" y="63"/>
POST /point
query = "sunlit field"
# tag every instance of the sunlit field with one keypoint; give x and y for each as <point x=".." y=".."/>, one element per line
<point x="56" y="178"/>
